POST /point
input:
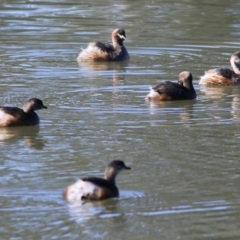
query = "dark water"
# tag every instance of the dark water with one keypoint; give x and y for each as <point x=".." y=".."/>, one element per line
<point x="184" y="182"/>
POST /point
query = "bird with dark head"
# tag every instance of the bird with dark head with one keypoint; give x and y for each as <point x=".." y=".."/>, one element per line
<point x="14" y="116"/>
<point x="94" y="188"/>
<point x="223" y="75"/>
<point x="170" y="91"/>
<point x="101" y="51"/>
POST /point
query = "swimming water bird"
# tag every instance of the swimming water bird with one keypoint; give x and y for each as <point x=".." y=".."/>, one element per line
<point x="94" y="188"/>
<point x="100" y="51"/>
<point x="14" y="116"/>
<point x="223" y="75"/>
<point x="169" y="91"/>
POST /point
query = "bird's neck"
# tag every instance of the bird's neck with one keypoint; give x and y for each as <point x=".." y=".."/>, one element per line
<point x="110" y="175"/>
<point x="235" y="67"/>
<point x="117" y="43"/>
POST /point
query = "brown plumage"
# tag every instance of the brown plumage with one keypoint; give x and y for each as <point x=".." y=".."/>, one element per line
<point x="223" y="75"/>
<point x="169" y="91"/>
<point x="99" y="51"/>
<point x="14" y="116"/>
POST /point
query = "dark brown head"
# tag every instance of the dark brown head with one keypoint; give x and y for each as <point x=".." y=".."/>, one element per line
<point x="235" y="62"/>
<point x="118" y="35"/>
<point x="113" y="168"/>
<point x="33" y="104"/>
<point x="119" y="165"/>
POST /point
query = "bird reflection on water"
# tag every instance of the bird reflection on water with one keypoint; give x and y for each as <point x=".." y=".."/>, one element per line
<point x="29" y="135"/>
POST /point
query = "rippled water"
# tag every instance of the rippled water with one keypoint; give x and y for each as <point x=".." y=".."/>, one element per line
<point x="184" y="182"/>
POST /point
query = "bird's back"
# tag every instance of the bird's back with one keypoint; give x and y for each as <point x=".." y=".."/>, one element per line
<point x="102" y="51"/>
<point x="13" y="116"/>
<point x="173" y="91"/>
<point x="90" y="188"/>
<point x="220" y="76"/>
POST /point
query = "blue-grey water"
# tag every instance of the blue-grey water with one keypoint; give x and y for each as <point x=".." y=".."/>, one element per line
<point x="184" y="182"/>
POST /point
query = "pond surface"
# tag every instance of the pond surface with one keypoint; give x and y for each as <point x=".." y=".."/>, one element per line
<point x="184" y="182"/>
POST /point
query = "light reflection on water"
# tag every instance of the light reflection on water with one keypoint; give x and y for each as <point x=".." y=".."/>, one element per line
<point x="207" y="207"/>
<point x="184" y="183"/>
<point x="83" y="211"/>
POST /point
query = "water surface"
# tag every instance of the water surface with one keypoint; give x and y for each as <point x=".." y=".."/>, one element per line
<point x="184" y="182"/>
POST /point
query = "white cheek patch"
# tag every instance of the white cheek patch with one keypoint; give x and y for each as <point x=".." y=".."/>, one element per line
<point x="80" y="189"/>
<point x="121" y="36"/>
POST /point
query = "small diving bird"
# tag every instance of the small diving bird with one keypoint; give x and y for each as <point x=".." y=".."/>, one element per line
<point x="223" y="75"/>
<point x="14" y="116"/>
<point x="101" y="51"/>
<point x="170" y="91"/>
<point x="94" y="188"/>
